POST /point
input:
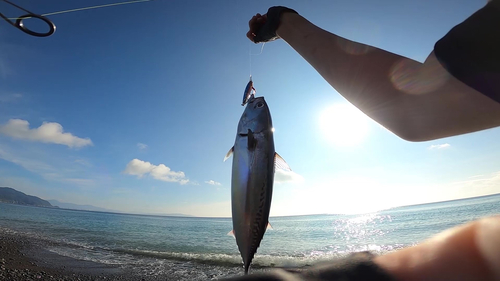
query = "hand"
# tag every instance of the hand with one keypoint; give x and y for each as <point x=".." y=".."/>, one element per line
<point x="466" y="252"/>
<point x="255" y="24"/>
<point x="263" y="27"/>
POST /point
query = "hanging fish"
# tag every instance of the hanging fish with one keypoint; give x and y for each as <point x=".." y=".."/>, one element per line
<point x="254" y="162"/>
<point x="249" y="91"/>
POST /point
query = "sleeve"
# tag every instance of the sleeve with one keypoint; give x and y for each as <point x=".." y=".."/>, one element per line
<point x="471" y="51"/>
<point x="356" y="267"/>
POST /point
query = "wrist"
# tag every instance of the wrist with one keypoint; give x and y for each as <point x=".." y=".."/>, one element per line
<point x="277" y="14"/>
<point x="288" y="21"/>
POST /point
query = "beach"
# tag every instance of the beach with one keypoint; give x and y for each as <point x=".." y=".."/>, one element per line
<point x="26" y="258"/>
<point x="57" y="244"/>
<point x="22" y="258"/>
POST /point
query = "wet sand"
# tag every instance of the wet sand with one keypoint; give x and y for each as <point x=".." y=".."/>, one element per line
<point x="27" y="258"/>
<point x="23" y="259"/>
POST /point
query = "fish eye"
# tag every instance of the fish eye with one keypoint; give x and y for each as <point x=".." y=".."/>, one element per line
<point x="260" y="104"/>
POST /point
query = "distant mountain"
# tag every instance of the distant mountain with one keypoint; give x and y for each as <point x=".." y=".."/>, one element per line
<point x="10" y="195"/>
<point x="72" y="206"/>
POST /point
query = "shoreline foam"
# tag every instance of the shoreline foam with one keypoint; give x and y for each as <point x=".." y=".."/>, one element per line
<point x="23" y="259"/>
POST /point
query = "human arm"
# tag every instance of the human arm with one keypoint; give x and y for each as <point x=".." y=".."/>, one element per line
<point x="416" y="101"/>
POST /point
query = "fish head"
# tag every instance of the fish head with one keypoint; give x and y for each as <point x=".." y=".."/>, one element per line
<point x="256" y="116"/>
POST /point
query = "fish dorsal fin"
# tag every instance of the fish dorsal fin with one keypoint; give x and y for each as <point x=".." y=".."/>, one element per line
<point x="269" y="226"/>
<point x="252" y="142"/>
<point x="280" y="163"/>
<point x="231" y="233"/>
<point x="229" y="153"/>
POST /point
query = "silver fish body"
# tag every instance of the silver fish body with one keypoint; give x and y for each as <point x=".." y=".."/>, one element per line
<point x="252" y="177"/>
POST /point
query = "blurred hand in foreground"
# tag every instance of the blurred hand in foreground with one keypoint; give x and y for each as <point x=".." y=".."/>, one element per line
<point x="467" y="252"/>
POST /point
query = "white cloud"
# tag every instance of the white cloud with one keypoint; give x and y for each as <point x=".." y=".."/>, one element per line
<point x="138" y="168"/>
<point x="61" y="172"/>
<point x="48" y="132"/>
<point x="212" y="182"/>
<point x="142" y="146"/>
<point x="477" y="185"/>
<point x="439" y="146"/>
<point x="282" y="176"/>
<point x="31" y="165"/>
<point x="161" y="172"/>
<point x="4" y="98"/>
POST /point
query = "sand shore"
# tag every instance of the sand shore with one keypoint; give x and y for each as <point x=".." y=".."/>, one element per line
<point x="22" y="258"/>
<point x="26" y="258"/>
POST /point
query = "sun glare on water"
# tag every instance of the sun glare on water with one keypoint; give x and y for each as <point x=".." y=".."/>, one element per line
<point x="343" y="125"/>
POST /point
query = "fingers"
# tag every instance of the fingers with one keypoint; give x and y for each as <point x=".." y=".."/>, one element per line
<point x="255" y="24"/>
<point x="468" y="252"/>
<point x="250" y="35"/>
<point x="251" y="26"/>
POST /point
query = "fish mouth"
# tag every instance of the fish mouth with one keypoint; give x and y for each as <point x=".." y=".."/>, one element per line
<point x="254" y="98"/>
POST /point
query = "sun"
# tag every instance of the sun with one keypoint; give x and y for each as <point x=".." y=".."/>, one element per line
<point x="343" y="124"/>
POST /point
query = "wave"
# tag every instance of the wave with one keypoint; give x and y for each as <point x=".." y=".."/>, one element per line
<point x="138" y="256"/>
<point x="260" y="260"/>
<point x="113" y="255"/>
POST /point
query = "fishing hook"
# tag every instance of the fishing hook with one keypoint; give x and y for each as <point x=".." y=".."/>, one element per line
<point x="20" y="25"/>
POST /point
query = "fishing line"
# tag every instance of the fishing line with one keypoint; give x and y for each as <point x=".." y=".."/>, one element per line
<point x="90" y="8"/>
<point x="52" y="27"/>
<point x="95" y="7"/>
<point x="250" y="54"/>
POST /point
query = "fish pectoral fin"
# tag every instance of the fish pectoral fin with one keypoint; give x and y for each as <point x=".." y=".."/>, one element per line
<point x="280" y="163"/>
<point x="229" y="153"/>
<point x="231" y="233"/>
<point x="252" y="142"/>
<point x="269" y="226"/>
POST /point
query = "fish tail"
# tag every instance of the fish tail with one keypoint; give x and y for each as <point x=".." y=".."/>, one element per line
<point x="246" y="268"/>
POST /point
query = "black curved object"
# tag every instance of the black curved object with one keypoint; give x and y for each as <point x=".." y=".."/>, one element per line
<point x="20" y="25"/>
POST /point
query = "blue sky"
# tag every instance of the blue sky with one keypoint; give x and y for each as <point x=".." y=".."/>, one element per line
<point x="161" y="82"/>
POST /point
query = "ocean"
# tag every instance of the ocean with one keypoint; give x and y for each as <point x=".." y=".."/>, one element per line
<point x="199" y="249"/>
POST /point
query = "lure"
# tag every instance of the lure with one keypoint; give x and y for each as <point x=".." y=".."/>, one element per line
<point x="249" y="91"/>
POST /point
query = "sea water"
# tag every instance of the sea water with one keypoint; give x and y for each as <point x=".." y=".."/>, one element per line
<point x="199" y="249"/>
